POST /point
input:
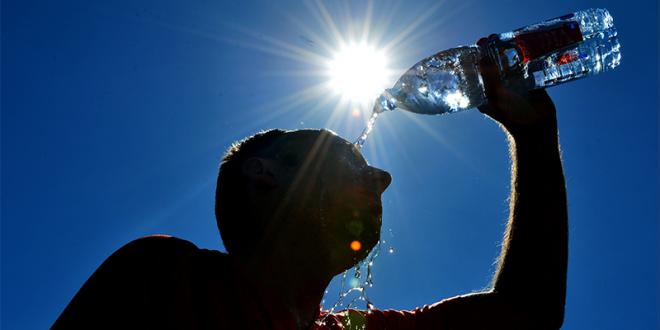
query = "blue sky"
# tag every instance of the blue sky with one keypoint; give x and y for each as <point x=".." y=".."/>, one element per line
<point x="115" y="115"/>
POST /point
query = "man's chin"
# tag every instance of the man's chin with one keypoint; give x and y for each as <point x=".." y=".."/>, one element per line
<point x="361" y="247"/>
<point x="348" y="255"/>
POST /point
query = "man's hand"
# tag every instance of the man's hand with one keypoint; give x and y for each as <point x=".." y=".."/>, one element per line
<point x="519" y="112"/>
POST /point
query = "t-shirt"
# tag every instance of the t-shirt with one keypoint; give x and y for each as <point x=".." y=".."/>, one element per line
<point x="162" y="282"/>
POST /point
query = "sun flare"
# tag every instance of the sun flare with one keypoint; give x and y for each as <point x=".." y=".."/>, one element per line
<point x="341" y="62"/>
<point x="358" y="72"/>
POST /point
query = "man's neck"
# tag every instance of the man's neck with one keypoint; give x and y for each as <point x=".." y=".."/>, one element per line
<point x="297" y="285"/>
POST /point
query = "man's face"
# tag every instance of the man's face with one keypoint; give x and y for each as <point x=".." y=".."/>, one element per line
<point x="330" y="194"/>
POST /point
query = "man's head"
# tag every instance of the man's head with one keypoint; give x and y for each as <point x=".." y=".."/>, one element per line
<point x="308" y="190"/>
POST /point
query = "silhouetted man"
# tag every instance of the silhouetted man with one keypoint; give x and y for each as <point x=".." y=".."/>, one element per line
<point x="289" y="205"/>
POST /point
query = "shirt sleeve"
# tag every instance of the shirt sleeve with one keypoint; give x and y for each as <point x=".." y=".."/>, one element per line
<point x="440" y="315"/>
<point x="426" y="317"/>
<point x="472" y="311"/>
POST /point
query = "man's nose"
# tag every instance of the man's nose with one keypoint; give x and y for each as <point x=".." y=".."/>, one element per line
<point x="379" y="179"/>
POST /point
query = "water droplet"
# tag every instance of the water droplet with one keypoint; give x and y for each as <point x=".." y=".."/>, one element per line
<point x="390" y="250"/>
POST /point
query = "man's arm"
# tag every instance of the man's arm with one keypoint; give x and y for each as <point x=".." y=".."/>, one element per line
<point x="531" y="274"/>
<point x="529" y="287"/>
<point x="532" y="267"/>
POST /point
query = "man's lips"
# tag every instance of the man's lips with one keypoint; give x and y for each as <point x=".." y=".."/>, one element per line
<point x="364" y="200"/>
<point x="365" y="204"/>
<point x="372" y="205"/>
<point x="377" y="209"/>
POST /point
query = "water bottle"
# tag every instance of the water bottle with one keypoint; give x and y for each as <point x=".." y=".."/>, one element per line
<point x="552" y="52"/>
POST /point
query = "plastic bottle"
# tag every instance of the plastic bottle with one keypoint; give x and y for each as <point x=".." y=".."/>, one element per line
<point x="536" y="56"/>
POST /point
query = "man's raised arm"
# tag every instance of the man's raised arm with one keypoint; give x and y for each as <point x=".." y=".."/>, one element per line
<point x="529" y="288"/>
<point x="531" y="274"/>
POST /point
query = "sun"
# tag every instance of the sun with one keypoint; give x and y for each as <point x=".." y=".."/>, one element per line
<point x="358" y="72"/>
<point x="340" y="63"/>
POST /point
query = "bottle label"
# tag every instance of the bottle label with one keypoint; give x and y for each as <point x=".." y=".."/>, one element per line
<point x="544" y="40"/>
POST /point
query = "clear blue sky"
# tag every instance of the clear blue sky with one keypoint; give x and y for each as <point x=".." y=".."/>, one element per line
<point x="115" y="115"/>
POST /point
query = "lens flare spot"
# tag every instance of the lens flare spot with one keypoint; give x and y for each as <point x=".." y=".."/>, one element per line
<point x="355" y="113"/>
<point x="356" y="246"/>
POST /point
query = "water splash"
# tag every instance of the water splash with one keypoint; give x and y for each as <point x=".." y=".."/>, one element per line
<point x="358" y="282"/>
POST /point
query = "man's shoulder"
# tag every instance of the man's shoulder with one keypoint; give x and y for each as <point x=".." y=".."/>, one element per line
<point x="166" y="251"/>
<point x="138" y="282"/>
<point x="160" y="242"/>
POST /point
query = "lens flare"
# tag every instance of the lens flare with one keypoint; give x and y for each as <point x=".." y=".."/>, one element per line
<point x="356" y="246"/>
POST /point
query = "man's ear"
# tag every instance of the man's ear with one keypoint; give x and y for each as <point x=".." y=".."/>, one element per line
<point x="259" y="172"/>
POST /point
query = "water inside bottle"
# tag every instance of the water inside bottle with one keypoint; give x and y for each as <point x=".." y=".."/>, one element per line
<point x="558" y="50"/>
<point x="436" y="85"/>
<point x="446" y="82"/>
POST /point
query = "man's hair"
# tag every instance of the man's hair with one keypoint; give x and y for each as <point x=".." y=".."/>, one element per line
<point x="238" y="234"/>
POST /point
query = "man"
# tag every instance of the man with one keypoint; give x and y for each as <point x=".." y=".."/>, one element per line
<point x="296" y="208"/>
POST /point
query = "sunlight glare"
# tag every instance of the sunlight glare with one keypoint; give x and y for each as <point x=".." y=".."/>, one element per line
<point x="358" y="72"/>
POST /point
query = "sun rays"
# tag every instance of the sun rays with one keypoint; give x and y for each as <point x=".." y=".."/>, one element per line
<point x="346" y="58"/>
<point x="329" y="50"/>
